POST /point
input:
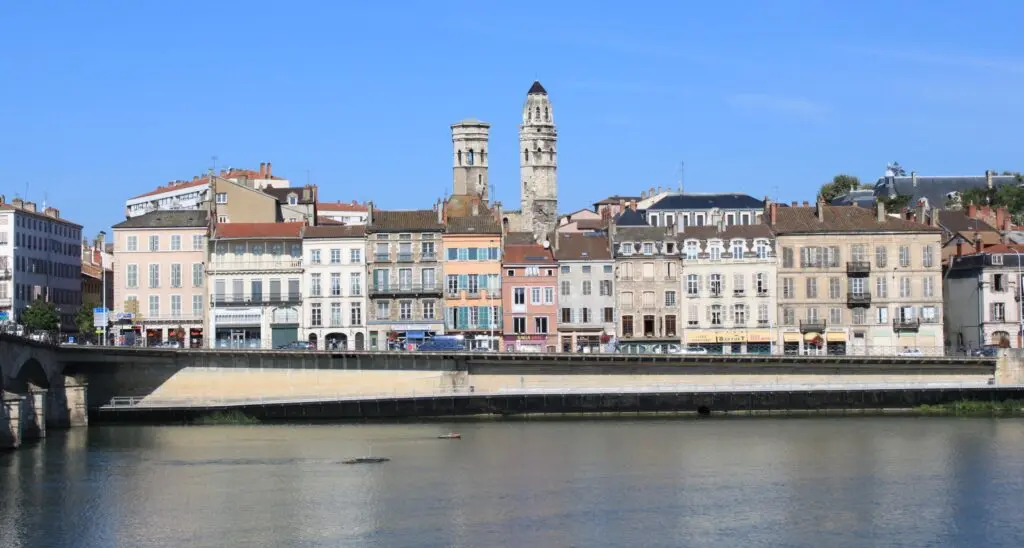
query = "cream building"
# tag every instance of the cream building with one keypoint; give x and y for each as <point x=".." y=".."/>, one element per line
<point x="647" y="268"/>
<point x="159" y="279"/>
<point x="728" y="287"/>
<point x="856" y="281"/>
<point x="334" y="296"/>
<point x="255" y="275"/>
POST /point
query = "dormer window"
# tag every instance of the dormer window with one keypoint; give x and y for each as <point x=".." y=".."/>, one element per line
<point x="648" y="248"/>
<point x="763" y="249"/>
<point x="691" y="250"/>
<point x="670" y="248"/>
<point x="737" y="249"/>
<point x="654" y="220"/>
<point x="626" y="248"/>
<point x="293" y="199"/>
<point x="715" y="250"/>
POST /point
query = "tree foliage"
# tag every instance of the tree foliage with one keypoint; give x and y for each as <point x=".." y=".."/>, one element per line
<point x="841" y="184"/>
<point x="896" y="203"/>
<point x="41" y="316"/>
<point x="84" y="318"/>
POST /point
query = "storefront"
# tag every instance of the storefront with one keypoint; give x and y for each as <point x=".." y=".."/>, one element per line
<point x="836" y="341"/>
<point x="588" y="342"/>
<point x="195" y="337"/>
<point x="528" y="343"/>
<point x="238" y="327"/>
<point x="814" y="343"/>
<point x="736" y="341"/>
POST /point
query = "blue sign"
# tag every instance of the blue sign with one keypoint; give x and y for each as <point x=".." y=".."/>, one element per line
<point x="99" y="310"/>
<point x="5" y="316"/>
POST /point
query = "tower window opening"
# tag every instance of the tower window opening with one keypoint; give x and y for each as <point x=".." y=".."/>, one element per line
<point x="459" y="154"/>
<point x="546" y="114"/>
<point x="469" y="157"/>
<point x="526" y="154"/>
<point x="538" y="114"/>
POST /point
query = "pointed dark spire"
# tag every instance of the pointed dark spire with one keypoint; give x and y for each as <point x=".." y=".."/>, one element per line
<point x="537" y="89"/>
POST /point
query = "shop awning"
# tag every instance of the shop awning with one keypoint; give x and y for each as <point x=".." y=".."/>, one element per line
<point x="415" y="334"/>
<point x="808" y="337"/>
<point x="836" y="336"/>
<point x="791" y="337"/>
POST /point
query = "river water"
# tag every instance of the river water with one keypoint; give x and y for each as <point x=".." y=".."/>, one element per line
<point x="815" y="482"/>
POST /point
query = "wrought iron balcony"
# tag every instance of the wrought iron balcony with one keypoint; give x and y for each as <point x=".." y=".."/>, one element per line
<point x="410" y="290"/>
<point x="906" y="324"/>
<point x="858" y="268"/>
<point x="858" y="299"/>
<point x="816" y="326"/>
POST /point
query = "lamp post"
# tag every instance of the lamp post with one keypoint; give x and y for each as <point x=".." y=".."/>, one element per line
<point x="103" y="281"/>
<point x="1020" y="302"/>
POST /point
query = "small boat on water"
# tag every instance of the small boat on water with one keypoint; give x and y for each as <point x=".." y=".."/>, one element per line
<point x="450" y="436"/>
<point x="365" y="460"/>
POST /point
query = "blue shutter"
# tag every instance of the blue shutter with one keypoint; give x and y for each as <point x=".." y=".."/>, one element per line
<point x="485" y="316"/>
<point x="463" y="317"/>
<point x="453" y="253"/>
<point x="463" y="281"/>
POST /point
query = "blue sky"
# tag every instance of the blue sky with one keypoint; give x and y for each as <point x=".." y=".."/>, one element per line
<point x="103" y="100"/>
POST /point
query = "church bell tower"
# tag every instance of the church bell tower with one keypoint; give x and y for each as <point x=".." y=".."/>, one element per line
<point x="538" y="163"/>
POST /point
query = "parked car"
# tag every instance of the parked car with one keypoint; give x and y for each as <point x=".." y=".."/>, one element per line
<point x="910" y="353"/>
<point x="297" y="345"/>
<point x="168" y="344"/>
<point x="442" y="345"/>
<point x="987" y="351"/>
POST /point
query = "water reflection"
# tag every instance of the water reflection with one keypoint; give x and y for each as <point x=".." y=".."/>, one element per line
<point x="677" y="482"/>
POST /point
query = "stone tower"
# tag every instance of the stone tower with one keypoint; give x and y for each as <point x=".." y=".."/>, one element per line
<point x="538" y="162"/>
<point x="469" y="160"/>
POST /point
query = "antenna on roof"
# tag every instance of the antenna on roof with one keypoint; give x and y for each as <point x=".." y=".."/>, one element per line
<point x="682" y="175"/>
<point x="214" y="159"/>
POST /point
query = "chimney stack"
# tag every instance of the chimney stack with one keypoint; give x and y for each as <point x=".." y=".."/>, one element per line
<point x="960" y="248"/>
<point x="263" y="170"/>
<point x="913" y="179"/>
<point x="30" y="206"/>
<point x="977" y="243"/>
<point x="820" y="209"/>
<point x="972" y="211"/>
<point x="795" y="204"/>
<point x="880" y="212"/>
<point x="921" y="211"/>
<point x="1002" y="218"/>
<point x="988" y="178"/>
<point x="806" y="204"/>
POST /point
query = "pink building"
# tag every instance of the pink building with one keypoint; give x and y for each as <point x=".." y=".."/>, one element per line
<point x="529" y="276"/>
<point x="159" y="289"/>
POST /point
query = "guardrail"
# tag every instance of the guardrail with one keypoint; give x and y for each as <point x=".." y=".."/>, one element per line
<point x="148" y="402"/>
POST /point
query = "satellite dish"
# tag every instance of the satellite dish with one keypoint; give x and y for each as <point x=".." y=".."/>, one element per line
<point x="547" y="244"/>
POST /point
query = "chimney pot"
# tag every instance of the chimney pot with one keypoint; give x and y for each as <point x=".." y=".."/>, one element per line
<point x="988" y="178"/>
<point x="805" y="203"/>
<point x="270" y="171"/>
<point x="795" y="203"/>
<point x="977" y="243"/>
<point x="263" y="169"/>
<point x="880" y="212"/>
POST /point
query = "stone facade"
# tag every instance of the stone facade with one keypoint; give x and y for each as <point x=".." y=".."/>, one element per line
<point x="334" y="290"/>
<point x="586" y="291"/>
<point x="647" y="274"/>
<point x="469" y="158"/>
<point x="538" y="163"/>
<point x="857" y="281"/>
<point x="728" y="297"/>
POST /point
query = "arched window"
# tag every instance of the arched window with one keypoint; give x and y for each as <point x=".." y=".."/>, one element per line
<point x="538" y="114"/>
<point x="546" y="118"/>
<point x="293" y="199"/>
<point x="526" y="154"/>
<point x="459" y="154"/>
<point x="469" y="157"/>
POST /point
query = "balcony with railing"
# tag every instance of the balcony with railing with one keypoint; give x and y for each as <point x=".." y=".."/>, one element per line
<point x="906" y="324"/>
<point x="251" y="265"/>
<point x="812" y="326"/>
<point x="401" y="289"/>
<point x="258" y="299"/>
<point x="858" y="299"/>
<point x="858" y="268"/>
<point x="173" y="317"/>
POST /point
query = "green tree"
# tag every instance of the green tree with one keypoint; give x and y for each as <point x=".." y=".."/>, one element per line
<point x="84" y="319"/>
<point x="896" y="203"/>
<point x="41" y="316"/>
<point x="841" y="184"/>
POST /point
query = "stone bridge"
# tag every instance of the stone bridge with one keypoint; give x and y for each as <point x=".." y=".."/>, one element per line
<point x="35" y="394"/>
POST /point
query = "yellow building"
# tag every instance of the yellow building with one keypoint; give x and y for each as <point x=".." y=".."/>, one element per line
<point x="472" y="272"/>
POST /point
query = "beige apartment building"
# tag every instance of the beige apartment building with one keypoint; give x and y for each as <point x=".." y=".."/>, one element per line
<point x="159" y="278"/>
<point x="647" y="266"/>
<point x="728" y="287"/>
<point x="857" y="281"/>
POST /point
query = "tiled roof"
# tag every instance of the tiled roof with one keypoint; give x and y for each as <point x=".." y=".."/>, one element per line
<point x="340" y="207"/>
<point x="674" y="202"/>
<point x="519" y="238"/>
<point x="527" y="254"/>
<point x="730" y="232"/>
<point x="958" y="221"/>
<point x="582" y="247"/>
<point x="189" y="218"/>
<point x="591" y="224"/>
<point x="424" y="220"/>
<point x="480" y="224"/>
<point x="281" y="194"/>
<point x="614" y="200"/>
<point x="229" y="231"/>
<point x="334" y="231"/>
<point x="802" y="220"/>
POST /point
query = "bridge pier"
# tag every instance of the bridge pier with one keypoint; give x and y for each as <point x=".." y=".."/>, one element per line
<point x="10" y="420"/>
<point x="66" y="405"/>
<point x="33" y="415"/>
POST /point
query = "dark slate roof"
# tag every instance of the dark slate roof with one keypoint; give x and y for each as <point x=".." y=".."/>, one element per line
<point x="958" y="221"/>
<point x="729" y="232"/>
<point x="583" y="247"/>
<point x="707" y="201"/>
<point x="537" y="89"/>
<point x="645" y="233"/>
<point x="479" y="224"/>
<point x="192" y="218"/>
<point x="281" y="194"/>
<point x="616" y="199"/>
<point x="803" y="220"/>
<point x="936" y="189"/>
<point x="420" y="220"/>
<point x="630" y="217"/>
<point x="861" y="197"/>
<point x="334" y="231"/>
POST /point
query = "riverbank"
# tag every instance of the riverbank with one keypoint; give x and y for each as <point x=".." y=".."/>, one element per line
<point x="968" y="408"/>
